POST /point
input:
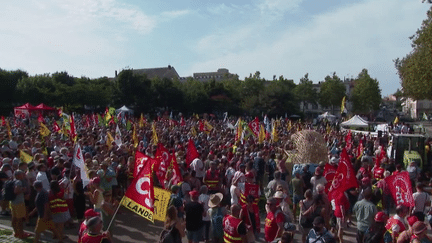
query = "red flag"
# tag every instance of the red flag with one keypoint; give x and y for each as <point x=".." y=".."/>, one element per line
<point x="56" y="127"/>
<point x="191" y="152"/>
<point x="3" y="121"/>
<point x="176" y="176"/>
<point x="72" y="127"/>
<point x="201" y="126"/>
<point x="182" y="121"/>
<point x="344" y="178"/>
<point x="163" y="160"/>
<point x="348" y="140"/>
<point x="400" y="188"/>
<point x="140" y="161"/>
<point x="329" y="173"/>
<point x="254" y="126"/>
<point x="40" y="118"/>
<point x="59" y="112"/>
<point x="139" y="197"/>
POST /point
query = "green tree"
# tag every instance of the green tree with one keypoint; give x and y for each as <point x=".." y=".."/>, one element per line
<point x="8" y="84"/>
<point x="279" y="98"/>
<point x="415" y="69"/>
<point x="366" y="94"/>
<point x="332" y="92"/>
<point x="305" y="91"/>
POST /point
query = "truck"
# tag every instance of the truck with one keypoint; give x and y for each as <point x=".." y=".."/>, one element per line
<point x="407" y="148"/>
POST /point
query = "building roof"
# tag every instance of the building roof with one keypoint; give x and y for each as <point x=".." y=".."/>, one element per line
<point x="162" y="72"/>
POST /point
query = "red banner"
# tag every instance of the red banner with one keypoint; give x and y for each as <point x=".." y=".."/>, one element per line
<point x="163" y="160"/>
<point x="401" y="189"/>
<point x="344" y="178"/>
<point x="254" y="126"/>
<point x="360" y="149"/>
<point x="139" y="197"/>
<point x="140" y="161"/>
<point x="348" y="140"/>
<point x="176" y="175"/>
<point x="329" y="174"/>
<point x="191" y="152"/>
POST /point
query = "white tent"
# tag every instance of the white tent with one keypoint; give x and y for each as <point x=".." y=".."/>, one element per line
<point x="327" y="115"/>
<point x="124" y="110"/>
<point x="355" y="121"/>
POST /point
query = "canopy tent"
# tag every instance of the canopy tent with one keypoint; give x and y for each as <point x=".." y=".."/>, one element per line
<point x="43" y="107"/>
<point x="124" y="110"/>
<point x="327" y="115"/>
<point x="355" y="121"/>
<point x="23" y="110"/>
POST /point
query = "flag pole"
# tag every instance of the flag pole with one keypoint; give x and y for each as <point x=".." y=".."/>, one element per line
<point x="115" y="213"/>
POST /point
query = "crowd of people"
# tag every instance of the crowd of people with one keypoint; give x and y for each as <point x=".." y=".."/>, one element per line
<point x="225" y="192"/>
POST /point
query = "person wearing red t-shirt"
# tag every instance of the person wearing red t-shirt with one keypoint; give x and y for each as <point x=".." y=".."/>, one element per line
<point x="340" y="205"/>
<point x="274" y="221"/>
<point x="90" y="213"/>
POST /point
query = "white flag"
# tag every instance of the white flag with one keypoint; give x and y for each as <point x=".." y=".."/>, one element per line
<point x="117" y="138"/>
<point x="78" y="161"/>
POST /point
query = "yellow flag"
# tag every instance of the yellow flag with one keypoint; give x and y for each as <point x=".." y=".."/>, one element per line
<point x="110" y="140"/>
<point x="275" y="136"/>
<point x="107" y="116"/>
<point x="328" y="129"/>
<point x="25" y="157"/>
<point x="9" y="131"/>
<point x="141" y="121"/>
<point x="396" y="120"/>
<point x="261" y="135"/>
<point x="135" y="137"/>
<point x="154" y="135"/>
<point x="44" y="131"/>
<point x="289" y="126"/>
<point x="193" y="132"/>
<point x="343" y="105"/>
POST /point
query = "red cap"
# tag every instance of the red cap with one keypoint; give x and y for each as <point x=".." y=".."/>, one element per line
<point x="381" y="217"/>
<point x="194" y="193"/>
<point x="90" y="213"/>
<point x="412" y="219"/>
<point x="249" y="175"/>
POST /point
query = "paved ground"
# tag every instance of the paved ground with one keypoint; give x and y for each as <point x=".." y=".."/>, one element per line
<point x="131" y="228"/>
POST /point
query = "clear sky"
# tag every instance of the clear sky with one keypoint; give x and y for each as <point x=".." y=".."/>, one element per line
<point x="93" y="38"/>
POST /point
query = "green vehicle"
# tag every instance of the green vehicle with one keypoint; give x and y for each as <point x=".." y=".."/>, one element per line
<point x="407" y="148"/>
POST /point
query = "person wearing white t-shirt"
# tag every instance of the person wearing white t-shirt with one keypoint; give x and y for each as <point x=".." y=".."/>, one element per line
<point x="198" y="166"/>
<point x="421" y="202"/>
<point x="42" y="177"/>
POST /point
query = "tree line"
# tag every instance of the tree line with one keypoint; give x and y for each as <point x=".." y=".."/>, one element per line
<point x="252" y="96"/>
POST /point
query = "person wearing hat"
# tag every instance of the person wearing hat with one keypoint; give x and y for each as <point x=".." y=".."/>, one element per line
<point x="94" y="232"/>
<point x="274" y="221"/>
<point x="317" y="179"/>
<point x="375" y="233"/>
<point x="216" y="214"/>
<point x="277" y="181"/>
<point x="419" y="233"/>
<point x="319" y="234"/>
<point x="405" y="236"/>
<point x="90" y="213"/>
<point x="250" y="215"/>
<point x="194" y="212"/>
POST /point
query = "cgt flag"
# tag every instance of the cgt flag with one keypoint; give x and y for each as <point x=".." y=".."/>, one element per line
<point x="344" y="177"/>
<point x="254" y="126"/>
<point x="191" y="152"/>
<point x="163" y="160"/>
<point x="400" y="188"/>
<point x="78" y="161"/>
<point x="140" y="161"/>
<point x="140" y="197"/>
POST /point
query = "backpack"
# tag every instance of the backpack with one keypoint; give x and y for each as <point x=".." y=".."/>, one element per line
<point x="8" y="192"/>
<point x="216" y="222"/>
